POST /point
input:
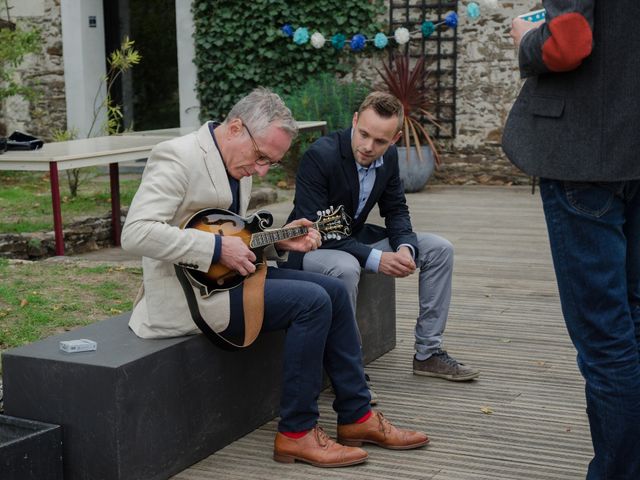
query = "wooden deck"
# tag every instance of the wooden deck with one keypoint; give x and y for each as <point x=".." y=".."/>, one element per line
<point x="505" y="319"/>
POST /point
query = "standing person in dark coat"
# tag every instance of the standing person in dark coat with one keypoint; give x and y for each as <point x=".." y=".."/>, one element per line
<point x="576" y="125"/>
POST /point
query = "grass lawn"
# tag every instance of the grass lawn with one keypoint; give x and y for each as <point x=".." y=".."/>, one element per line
<point x="25" y="199"/>
<point x="39" y="299"/>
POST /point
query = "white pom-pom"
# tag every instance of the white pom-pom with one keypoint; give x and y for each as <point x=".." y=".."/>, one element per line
<point x="317" y="40"/>
<point x="401" y="35"/>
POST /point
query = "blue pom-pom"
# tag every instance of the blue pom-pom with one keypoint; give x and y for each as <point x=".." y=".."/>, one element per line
<point x="473" y="10"/>
<point x="301" y="36"/>
<point x="338" y="41"/>
<point x="380" y="40"/>
<point x="451" y="20"/>
<point x="357" y="42"/>
<point x="287" y="30"/>
<point x="427" y="29"/>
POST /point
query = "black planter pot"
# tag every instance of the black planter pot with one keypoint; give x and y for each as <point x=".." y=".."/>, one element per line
<point x="29" y="450"/>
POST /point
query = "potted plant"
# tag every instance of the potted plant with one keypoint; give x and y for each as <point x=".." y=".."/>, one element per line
<point x="418" y="154"/>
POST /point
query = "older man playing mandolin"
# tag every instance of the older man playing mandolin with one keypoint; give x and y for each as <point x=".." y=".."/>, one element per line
<point x="212" y="168"/>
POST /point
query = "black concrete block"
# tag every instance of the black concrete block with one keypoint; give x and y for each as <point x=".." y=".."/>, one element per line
<point x="376" y="314"/>
<point x="142" y="409"/>
<point x="29" y="450"/>
<point x="147" y="409"/>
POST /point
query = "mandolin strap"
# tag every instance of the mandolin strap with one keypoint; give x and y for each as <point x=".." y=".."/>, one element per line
<point x="253" y="308"/>
<point x="253" y="303"/>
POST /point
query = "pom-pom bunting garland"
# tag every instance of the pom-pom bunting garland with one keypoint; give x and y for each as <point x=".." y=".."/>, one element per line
<point x="357" y="43"/>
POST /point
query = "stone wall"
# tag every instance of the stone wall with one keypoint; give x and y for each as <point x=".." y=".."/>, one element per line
<point x="488" y="78"/>
<point x="44" y="71"/>
<point x="487" y="84"/>
<point x="82" y="236"/>
<point x="477" y="168"/>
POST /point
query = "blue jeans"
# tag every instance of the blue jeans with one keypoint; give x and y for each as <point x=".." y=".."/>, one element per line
<point x="594" y="231"/>
<point x="320" y="332"/>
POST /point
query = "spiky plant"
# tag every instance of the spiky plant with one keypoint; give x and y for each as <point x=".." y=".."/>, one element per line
<point x="410" y="86"/>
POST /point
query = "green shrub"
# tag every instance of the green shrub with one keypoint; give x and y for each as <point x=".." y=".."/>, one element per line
<point x="326" y="98"/>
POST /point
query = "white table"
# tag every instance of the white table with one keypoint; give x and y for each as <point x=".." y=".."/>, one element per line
<point x="89" y="152"/>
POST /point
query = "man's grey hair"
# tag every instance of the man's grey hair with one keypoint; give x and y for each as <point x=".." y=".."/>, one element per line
<point x="262" y="108"/>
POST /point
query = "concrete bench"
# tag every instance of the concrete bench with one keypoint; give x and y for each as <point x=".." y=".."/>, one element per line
<point x="376" y="314"/>
<point x="148" y="409"/>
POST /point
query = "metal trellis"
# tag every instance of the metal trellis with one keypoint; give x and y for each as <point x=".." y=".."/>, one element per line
<point x="441" y="51"/>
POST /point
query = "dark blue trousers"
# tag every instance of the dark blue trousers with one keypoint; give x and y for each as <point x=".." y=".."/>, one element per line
<point x="594" y="230"/>
<point x="315" y="311"/>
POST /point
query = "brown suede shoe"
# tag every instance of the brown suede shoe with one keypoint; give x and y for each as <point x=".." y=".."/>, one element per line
<point x="379" y="431"/>
<point x="316" y="448"/>
<point x="442" y="365"/>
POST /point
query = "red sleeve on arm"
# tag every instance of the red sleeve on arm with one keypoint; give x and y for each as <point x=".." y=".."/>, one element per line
<point x="570" y="42"/>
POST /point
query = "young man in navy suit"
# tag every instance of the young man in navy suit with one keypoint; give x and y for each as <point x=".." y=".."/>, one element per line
<point x="358" y="168"/>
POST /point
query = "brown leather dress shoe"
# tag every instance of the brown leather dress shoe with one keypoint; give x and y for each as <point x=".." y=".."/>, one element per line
<point x="316" y="448"/>
<point x="380" y="431"/>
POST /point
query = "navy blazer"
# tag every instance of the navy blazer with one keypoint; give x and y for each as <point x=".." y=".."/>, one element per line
<point x="577" y="116"/>
<point x="328" y="176"/>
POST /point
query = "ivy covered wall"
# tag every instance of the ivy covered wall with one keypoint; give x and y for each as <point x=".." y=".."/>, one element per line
<point x="239" y="45"/>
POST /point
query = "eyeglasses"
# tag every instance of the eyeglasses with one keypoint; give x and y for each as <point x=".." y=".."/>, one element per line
<point x="262" y="159"/>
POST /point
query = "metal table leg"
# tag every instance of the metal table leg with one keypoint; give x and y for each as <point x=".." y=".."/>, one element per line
<point x="115" y="203"/>
<point x="55" y="204"/>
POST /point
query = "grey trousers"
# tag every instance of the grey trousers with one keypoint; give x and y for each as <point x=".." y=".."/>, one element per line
<point x="435" y="265"/>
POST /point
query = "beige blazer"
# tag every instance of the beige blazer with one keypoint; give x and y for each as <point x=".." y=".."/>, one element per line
<point x="182" y="176"/>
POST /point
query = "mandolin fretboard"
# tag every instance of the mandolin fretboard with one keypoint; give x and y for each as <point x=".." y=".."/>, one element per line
<point x="268" y="237"/>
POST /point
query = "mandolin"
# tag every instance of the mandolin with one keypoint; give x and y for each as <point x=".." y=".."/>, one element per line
<point x="332" y="223"/>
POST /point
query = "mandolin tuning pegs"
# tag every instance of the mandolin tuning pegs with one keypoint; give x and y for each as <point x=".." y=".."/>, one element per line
<point x="319" y="212"/>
